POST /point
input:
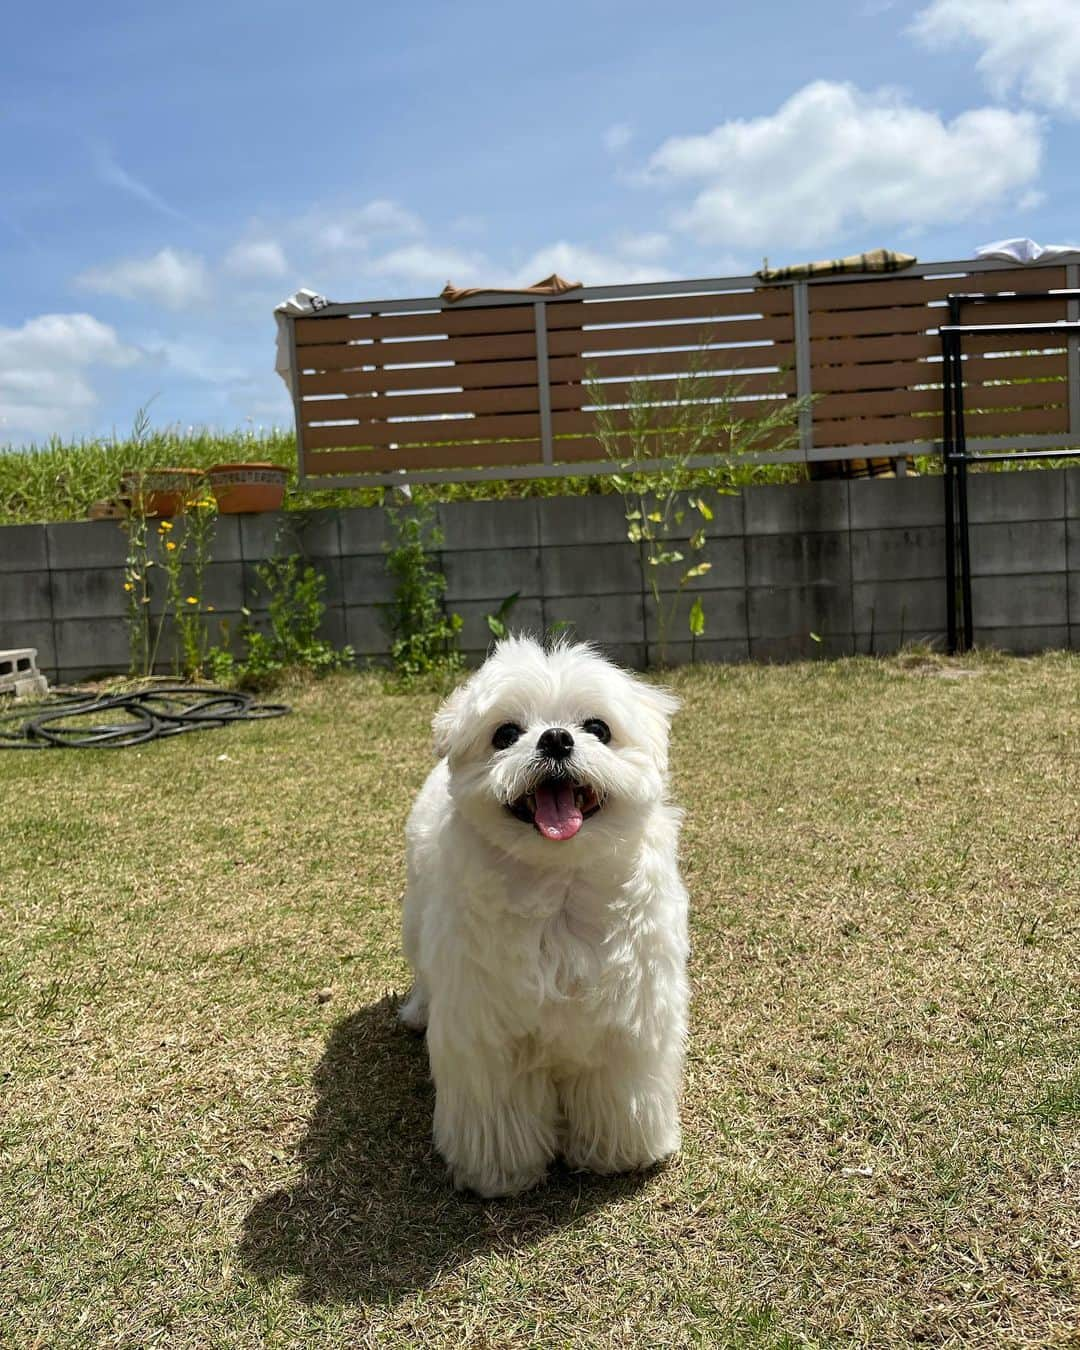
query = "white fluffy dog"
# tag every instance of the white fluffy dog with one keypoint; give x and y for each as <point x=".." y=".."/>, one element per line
<point x="545" y="921"/>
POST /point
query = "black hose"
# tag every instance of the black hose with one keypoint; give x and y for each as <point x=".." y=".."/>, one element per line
<point x="145" y="715"/>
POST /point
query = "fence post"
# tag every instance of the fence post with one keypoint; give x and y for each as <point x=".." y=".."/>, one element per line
<point x="1072" y="312"/>
<point x="543" y="382"/>
<point x="803" y="383"/>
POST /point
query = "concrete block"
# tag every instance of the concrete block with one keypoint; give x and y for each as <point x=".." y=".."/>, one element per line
<point x="915" y="551"/>
<point x="274" y="534"/>
<point x="25" y="595"/>
<point x="887" y="644"/>
<point x="256" y="595"/>
<point x="682" y="653"/>
<point x="365" y="630"/>
<point x="364" y="529"/>
<point x="793" y="611"/>
<point x="1039" y="600"/>
<point x="491" y="574"/>
<point x="1024" y="641"/>
<point x="19" y="674"/>
<point x="910" y="608"/>
<point x="1072" y="493"/>
<point x="34" y="633"/>
<point x="728" y="559"/>
<point x="1036" y="495"/>
<point x="801" y="647"/>
<point x="821" y="558"/>
<point x="365" y="580"/>
<point x="796" y="508"/>
<point x="81" y="544"/>
<point x="591" y="569"/>
<point x="1018" y="547"/>
<point x="1072" y="544"/>
<point x="222" y="586"/>
<point x="1074" y="597"/>
<point x="895" y="503"/>
<point x="92" y="593"/>
<point x="89" y="647"/>
<point x="23" y="548"/>
<point x="596" y="519"/>
<point x="527" y="616"/>
<point x="489" y="524"/>
<point x="616" y="620"/>
<point x="725" y="616"/>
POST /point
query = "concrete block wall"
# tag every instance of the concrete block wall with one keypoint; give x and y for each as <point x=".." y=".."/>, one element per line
<point x="815" y="569"/>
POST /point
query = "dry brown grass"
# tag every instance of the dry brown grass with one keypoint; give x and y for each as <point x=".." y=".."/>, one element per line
<point x="200" y="1148"/>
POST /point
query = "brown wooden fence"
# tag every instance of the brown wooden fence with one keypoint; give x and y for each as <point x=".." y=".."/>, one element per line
<point x="504" y="386"/>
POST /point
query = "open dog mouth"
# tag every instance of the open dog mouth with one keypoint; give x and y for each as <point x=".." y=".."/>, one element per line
<point x="556" y="807"/>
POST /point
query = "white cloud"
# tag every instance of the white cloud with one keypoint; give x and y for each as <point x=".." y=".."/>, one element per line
<point x="644" y="246"/>
<point x="618" y="137"/>
<point x="113" y="174"/>
<point x="355" y="229"/>
<point x="587" y="265"/>
<point x="833" y="161"/>
<point x="427" y="264"/>
<point x="256" y="260"/>
<point x="1030" y="46"/>
<point x="44" y="388"/>
<point x="169" y="278"/>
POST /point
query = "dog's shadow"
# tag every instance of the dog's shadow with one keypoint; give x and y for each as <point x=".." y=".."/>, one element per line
<point x="372" y="1215"/>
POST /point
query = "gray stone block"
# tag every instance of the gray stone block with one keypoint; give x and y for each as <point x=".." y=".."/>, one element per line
<point x="727" y="559"/>
<point x="1024" y="641"/>
<point x="35" y="633"/>
<point x="489" y="524"/>
<point x="23" y="548"/>
<point x="895" y="503"/>
<point x="720" y="650"/>
<point x="887" y="644"/>
<point x="591" y="569"/>
<point x="596" y="519"/>
<point x="1072" y="544"/>
<point x="1038" y="600"/>
<point x="796" y="508"/>
<point x="801" y="647"/>
<point x="821" y="558"/>
<point x="527" y="616"/>
<point x="1072" y="492"/>
<point x="491" y="574"/>
<point x="365" y="580"/>
<point x="222" y="586"/>
<point x="1018" y="547"/>
<point x="1037" y="495"/>
<point x="79" y="544"/>
<point x="794" y="611"/>
<point x="897" y="555"/>
<point x="24" y="595"/>
<point x="725" y="616"/>
<point x="1074" y="597"/>
<point x="87" y="647"/>
<point x="256" y="595"/>
<point x="270" y="534"/>
<point x="607" y="619"/>
<point x="364" y="529"/>
<point x="92" y="593"/>
<point x="910" y="608"/>
<point x="365" y="630"/>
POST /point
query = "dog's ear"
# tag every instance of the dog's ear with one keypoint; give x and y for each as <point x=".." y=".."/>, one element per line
<point x="447" y="721"/>
<point x="657" y="706"/>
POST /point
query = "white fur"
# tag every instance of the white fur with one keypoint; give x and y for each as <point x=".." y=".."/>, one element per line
<point x="550" y="974"/>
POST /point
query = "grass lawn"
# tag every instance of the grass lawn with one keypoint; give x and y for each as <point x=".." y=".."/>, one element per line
<point x="213" y="1133"/>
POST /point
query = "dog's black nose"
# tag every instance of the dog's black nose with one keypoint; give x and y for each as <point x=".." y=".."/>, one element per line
<point x="556" y="743"/>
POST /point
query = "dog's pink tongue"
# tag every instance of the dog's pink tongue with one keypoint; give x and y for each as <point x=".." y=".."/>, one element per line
<point x="557" y="815"/>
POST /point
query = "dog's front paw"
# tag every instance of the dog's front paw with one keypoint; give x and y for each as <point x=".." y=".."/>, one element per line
<point x="613" y="1156"/>
<point x="495" y="1185"/>
<point x="413" y="1013"/>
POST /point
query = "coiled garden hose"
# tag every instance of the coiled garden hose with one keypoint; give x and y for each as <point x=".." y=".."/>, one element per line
<point x="130" y="718"/>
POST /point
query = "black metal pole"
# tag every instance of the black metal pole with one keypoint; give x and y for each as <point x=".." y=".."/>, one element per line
<point x="947" y="450"/>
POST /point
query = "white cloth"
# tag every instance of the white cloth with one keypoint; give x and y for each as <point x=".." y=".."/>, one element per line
<point x="1024" y="250"/>
<point x="301" y="302"/>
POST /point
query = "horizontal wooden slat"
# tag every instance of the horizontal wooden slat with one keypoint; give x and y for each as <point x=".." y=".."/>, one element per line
<point x="575" y="314"/>
<point x="423" y="457"/>
<point x="857" y="322"/>
<point x="712" y="335"/>
<point x="577" y="448"/>
<point x="377" y="407"/>
<point x="886" y="402"/>
<point x="701" y="386"/>
<point x="895" y="430"/>
<point x="470" y="375"/>
<point x="899" y="290"/>
<point x="424" y="433"/>
<point x="659" y="419"/>
<point x="905" y="374"/>
<point x="451" y="322"/>
<point x="345" y="356"/>
<point x="851" y="351"/>
<point x="704" y="361"/>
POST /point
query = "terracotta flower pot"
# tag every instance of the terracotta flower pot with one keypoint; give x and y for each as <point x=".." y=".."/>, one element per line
<point x="160" y="492"/>
<point x="248" y="487"/>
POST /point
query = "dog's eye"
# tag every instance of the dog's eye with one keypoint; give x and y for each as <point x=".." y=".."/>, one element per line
<point x="506" y="735"/>
<point x="595" y="727"/>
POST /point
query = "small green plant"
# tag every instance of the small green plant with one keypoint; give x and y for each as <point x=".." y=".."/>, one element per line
<point x="497" y="621"/>
<point x="295" y="608"/>
<point x="424" y="638"/>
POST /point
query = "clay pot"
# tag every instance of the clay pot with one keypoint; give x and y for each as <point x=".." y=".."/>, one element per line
<point x="160" y="492"/>
<point x="240" y="488"/>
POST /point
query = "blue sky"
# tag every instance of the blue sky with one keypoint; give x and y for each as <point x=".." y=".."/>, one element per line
<point x="171" y="172"/>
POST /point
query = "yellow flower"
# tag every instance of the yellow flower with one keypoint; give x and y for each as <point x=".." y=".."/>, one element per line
<point x="209" y="609"/>
<point x="165" y="527"/>
<point x="170" y="545"/>
<point x="128" y="586"/>
<point x="193" y="599"/>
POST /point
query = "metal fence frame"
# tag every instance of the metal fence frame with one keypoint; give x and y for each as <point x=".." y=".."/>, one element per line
<point x="807" y="451"/>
